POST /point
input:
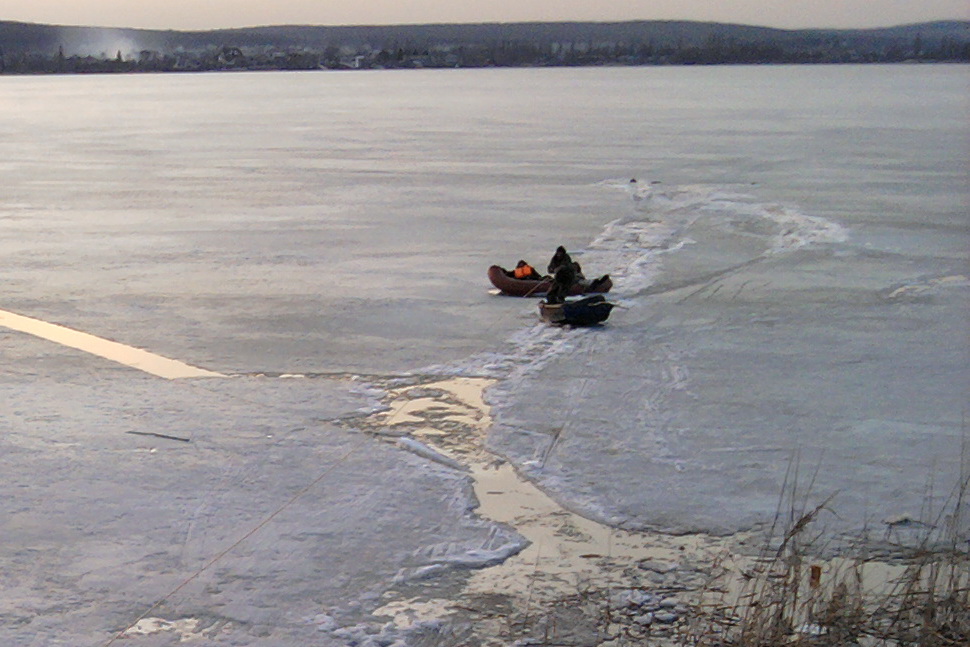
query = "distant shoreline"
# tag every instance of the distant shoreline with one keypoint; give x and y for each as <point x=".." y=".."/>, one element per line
<point x="93" y="72"/>
<point x="48" y="49"/>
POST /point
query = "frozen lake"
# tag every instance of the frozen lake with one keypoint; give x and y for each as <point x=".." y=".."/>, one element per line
<point x="791" y="264"/>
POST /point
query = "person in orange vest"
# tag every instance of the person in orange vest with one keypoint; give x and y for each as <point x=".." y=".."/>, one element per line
<point x="525" y="271"/>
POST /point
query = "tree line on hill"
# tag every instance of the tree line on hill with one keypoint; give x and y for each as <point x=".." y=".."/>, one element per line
<point x="36" y="49"/>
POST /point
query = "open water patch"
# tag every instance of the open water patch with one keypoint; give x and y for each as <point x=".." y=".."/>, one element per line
<point x="557" y="552"/>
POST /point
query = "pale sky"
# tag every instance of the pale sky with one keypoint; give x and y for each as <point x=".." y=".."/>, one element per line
<point x="216" y="14"/>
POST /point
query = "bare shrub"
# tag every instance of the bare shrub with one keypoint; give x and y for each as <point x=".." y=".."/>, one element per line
<point x="783" y="600"/>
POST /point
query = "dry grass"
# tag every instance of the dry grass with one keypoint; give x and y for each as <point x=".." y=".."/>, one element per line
<point x="914" y="593"/>
<point x="792" y="597"/>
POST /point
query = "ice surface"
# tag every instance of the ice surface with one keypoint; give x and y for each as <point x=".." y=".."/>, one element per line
<point x="791" y="276"/>
<point x="105" y="521"/>
<point x="753" y="338"/>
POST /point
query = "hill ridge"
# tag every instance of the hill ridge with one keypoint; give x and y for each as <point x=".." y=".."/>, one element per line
<point x="31" y="47"/>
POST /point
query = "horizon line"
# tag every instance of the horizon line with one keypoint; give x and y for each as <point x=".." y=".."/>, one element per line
<point x="496" y="22"/>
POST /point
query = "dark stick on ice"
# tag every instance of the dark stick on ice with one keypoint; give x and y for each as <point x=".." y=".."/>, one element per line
<point x="569" y="416"/>
<point x="152" y="433"/>
<point x="555" y="439"/>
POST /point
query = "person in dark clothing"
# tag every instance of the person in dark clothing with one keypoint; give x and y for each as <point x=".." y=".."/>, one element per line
<point x="561" y="257"/>
<point x="558" y="259"/>
<point x="564" y="273"/>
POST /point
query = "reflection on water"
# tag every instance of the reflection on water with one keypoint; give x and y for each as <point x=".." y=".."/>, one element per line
<point x="134" y="357"/>
<point x="569" y="556"/>
<point x="186" y="629"/>
<point x="566" y="552"/>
